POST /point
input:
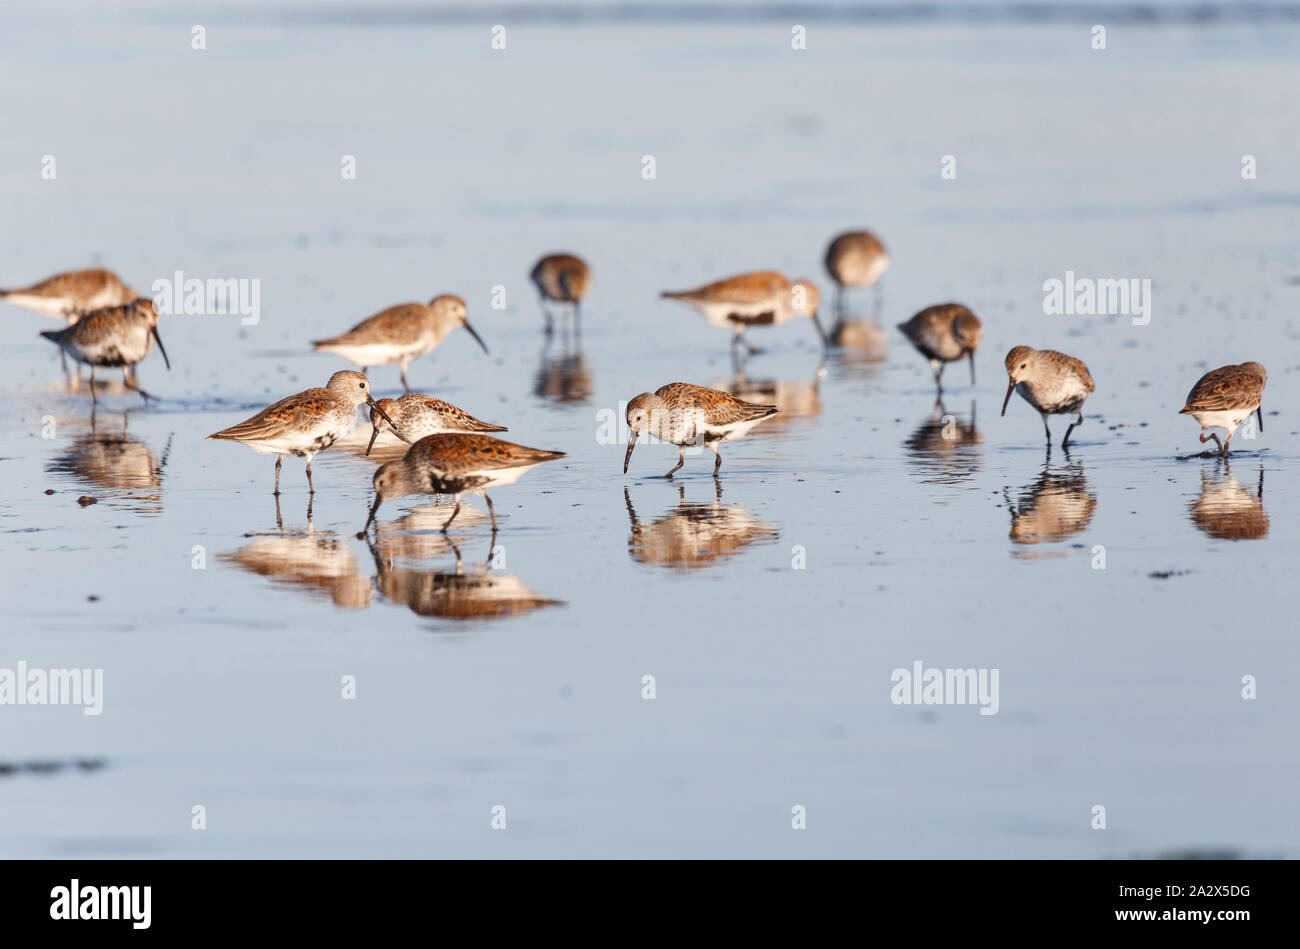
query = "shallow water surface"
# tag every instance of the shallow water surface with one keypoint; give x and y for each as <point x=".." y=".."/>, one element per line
<point x="1121" y="593"/>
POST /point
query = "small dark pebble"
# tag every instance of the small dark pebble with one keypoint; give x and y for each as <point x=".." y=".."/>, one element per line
<point x="92" y="599"/>
<point x="49" y="490"/>
<point x="86" y="500"/>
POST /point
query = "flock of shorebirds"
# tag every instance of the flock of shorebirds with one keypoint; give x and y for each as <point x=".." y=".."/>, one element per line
<point x="109" y="325"/>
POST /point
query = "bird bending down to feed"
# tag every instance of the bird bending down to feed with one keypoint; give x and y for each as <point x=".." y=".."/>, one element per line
<point x="683" y="414"/>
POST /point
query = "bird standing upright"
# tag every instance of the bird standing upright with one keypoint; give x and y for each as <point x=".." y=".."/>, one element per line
<point x="305" y="424"/>
<point x="401" y="333"/>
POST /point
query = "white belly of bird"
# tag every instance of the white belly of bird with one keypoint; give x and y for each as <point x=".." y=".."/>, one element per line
<point x="1223" y="418"/>
<point x="46" y="306"/>
<point x="125" y="348"/>
<point x="1054" y="397"/>
<point x="731" y="432"/>
<point x="498" y="477"/>
<point x="378" y="354"/>
<point x="308" y="441"/>
<point x="719" y="314"/>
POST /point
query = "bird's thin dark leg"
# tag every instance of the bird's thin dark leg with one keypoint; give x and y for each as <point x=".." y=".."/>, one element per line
<point x="94" y="395"/>
<point x="279" y="459"/>
<point x="311" y="488"/>
<point x="131" y="381"/>
<point x="403" y="375"/>
<point x="454" y="512"/>
<point x="681" y="460"/>
<point x="1205" y="436"/>
<point x="1226" y="442"/>
<point x="1046" y="429"/>
<point x="718" y="461"/>
<point x="491" y="513"/>
<point x="1066" y="440"/>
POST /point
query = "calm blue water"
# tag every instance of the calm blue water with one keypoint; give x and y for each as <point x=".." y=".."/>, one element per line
<point x="520" y="683"/>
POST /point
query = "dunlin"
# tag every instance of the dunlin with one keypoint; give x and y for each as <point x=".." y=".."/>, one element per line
<point x="305" y="424"/>
<point x="944" y="334"/>
<point x="401" y="333"/>
<point x="763" y="298"/>
<point x="455" y="463"/>
<point x="855" y="259"/>
<point x="415" y="415"/>
<point x="1224" y="398"/>
<point x="1052" y="382"/>
<point x="563" y="278"/>
<point x="70" y="295"/>
<point x="683" y="414"/>
<point x="113" y="337"/>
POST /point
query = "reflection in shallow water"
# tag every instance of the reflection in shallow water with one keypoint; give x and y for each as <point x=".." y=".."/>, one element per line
<point x="695" y="534"/>
<point x="1056" y="506"/>
<point x="564" y="376"/>
<point x="945" y="448"/>
<point x="113" y="460"/>
<point x="1226" y="508"/>
<point x="317" y="562"/>
<point x="867" y="340"/>
<point x="476" y="592"/>
<point x="794" y="399"/>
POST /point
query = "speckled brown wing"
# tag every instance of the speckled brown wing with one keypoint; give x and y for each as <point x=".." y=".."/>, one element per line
<point x="294" y="413"/>
<point x="404" y="323"/>
<point x="1069" y="364"/>
<point x="930" y="330"/>
<point x="745" y="288"/>
<point x="455" y="453"/>
<point x="91" y="330"/>
<point x="718" y="408"/>
<point x="76" y="284"/>
<point x="453" y="412"/>
<point x="1229" y="387"/>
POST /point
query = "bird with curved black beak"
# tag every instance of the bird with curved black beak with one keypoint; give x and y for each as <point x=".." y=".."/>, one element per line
<point x="307" y="423"/>
<point x="115" y="336"/>
<point x="455" y="463"/>
<point x="684" y="415"/>
<point x="762" y="298"/>
<point x="416" y="415"/>
<point x="1052" y="382"/>
<point x="401" y="334"/>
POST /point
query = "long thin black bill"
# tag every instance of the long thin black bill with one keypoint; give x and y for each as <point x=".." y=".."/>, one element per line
<point x="161" y="348"/>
